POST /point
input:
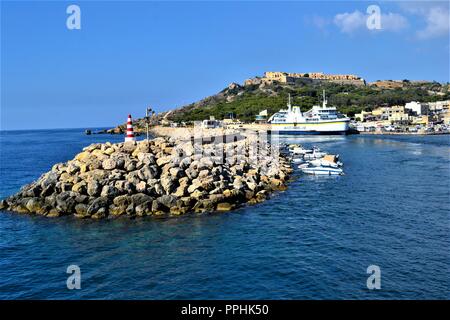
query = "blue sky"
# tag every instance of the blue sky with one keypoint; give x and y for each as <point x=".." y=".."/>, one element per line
<point x="167" y="54"/>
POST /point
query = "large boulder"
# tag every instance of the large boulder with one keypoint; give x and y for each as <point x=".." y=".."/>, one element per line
<point x="36" y="205"/>
<point x="167" y="201"/>
<point x="109" y="164"/>
<point x="168" y="183"/>
<point x="98" y="208"/>
<point x="81" y="211"/>
<point x="93" y="188"/>
<point x="163" y="160"/>
<point x="109" y="192"/>
<point x="65" y="202"/>
<point x="140" y="198"/>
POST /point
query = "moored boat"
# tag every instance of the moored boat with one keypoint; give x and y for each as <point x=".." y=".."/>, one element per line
<point x="318" y="120"/>
<point x="322" y="170"/>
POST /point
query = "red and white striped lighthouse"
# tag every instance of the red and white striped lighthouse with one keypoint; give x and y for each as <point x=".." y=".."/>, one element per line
<point x="130" y="133"/>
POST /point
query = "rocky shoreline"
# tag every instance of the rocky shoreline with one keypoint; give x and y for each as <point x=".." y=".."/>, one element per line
<point x="161" y="177"/>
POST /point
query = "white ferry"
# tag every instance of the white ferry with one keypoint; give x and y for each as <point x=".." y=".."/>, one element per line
<point x="318" y="120"/>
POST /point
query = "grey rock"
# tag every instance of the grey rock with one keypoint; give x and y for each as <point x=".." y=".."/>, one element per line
<point x="109" y="164"/>
<point x="93" y="188"/>
<point x="163" y="160"/>
<point x="109" y="192"/>
<point x="167" y="201"/>
<point x="176" y="172"/>
<point x="65" y="202"/>
<point x="96" y="206"/>
<point x="168" y="184"/>
<point x="49" y="179"/>
<point x="140" y="198"/>
<point x="81" y="210"/>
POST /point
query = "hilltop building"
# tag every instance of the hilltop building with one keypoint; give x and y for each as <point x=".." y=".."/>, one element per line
<point x="287" y="77"/>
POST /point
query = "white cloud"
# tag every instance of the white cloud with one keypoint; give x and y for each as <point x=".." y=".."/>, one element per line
<point x="393" y="22"/>
<point x="436" y="16"/>
<point x="438" y="22"/>
<point x="350" y="22"/>
<point x="356" y="20"/>
<point x="429" y="20"/>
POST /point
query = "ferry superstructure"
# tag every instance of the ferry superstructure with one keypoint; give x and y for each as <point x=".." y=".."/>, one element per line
<point x="318" y="120"/>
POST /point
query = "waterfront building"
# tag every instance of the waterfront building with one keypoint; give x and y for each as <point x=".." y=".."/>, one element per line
<point x="421" y="120"/>
<point x="446" y="117"/>
<point x="382" y="113"/>
<point x="262" y="116"/>
<point x="439" y="106"/>
<point x="210" y="124"/>
<point x="365" y="116"/>
<point x="417" y="107"/>
<point x="398" y="114"/>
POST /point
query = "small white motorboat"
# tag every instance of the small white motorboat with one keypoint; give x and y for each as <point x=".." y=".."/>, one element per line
<point x="322" y="171"/>
<point x="298" y="160"/>
<point x="315" y="155"/>
<point x="291" y="147"/>
<point x="325" y="163"/>
<point x="300" y="150"/>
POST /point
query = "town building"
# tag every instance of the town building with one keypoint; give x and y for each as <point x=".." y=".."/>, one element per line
<point x="421" y="120"/>
<point x="414" y="112"/>
<point x="439" y="106"/>
<point x="417" y="107"/>
<point x="400" y="115"/>
<point x="382" y="113"/>
<point x="365" y="116"/>
<point x="261" y="117"/>
<point x="446" y="117"/>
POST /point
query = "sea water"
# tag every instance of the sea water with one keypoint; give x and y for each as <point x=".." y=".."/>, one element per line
<point x="314" y="241"/>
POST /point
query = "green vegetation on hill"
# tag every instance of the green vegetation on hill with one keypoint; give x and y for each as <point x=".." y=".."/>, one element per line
<point x="244" y="102"/>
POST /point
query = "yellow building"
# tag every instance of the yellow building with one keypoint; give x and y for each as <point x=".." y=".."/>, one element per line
<point x="399" y="114"/>
<point x="382" y="112"/>
<point x="424" y="120"/>
<point x="446" y="117"/>
<point x="363" y="115"/>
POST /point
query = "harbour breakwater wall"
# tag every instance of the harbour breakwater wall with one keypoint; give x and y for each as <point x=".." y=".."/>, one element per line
<point x="160" y="177"/>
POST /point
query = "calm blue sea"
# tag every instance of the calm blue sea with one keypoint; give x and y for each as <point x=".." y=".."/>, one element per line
<point x="314" y="241"/>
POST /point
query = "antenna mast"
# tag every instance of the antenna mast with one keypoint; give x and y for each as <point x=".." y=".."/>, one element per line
<point x="289" y="103"/>
<point x="324" y="101"/>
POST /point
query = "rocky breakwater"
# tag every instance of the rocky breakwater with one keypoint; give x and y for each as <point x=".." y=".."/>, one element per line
<point x="159" y="177"/>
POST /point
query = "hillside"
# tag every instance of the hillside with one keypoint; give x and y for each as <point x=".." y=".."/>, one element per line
<point x="246" y="101"/>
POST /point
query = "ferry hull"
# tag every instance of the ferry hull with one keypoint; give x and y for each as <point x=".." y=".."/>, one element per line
<point x="323" y="128"/>
<point x="299" y="132"/>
